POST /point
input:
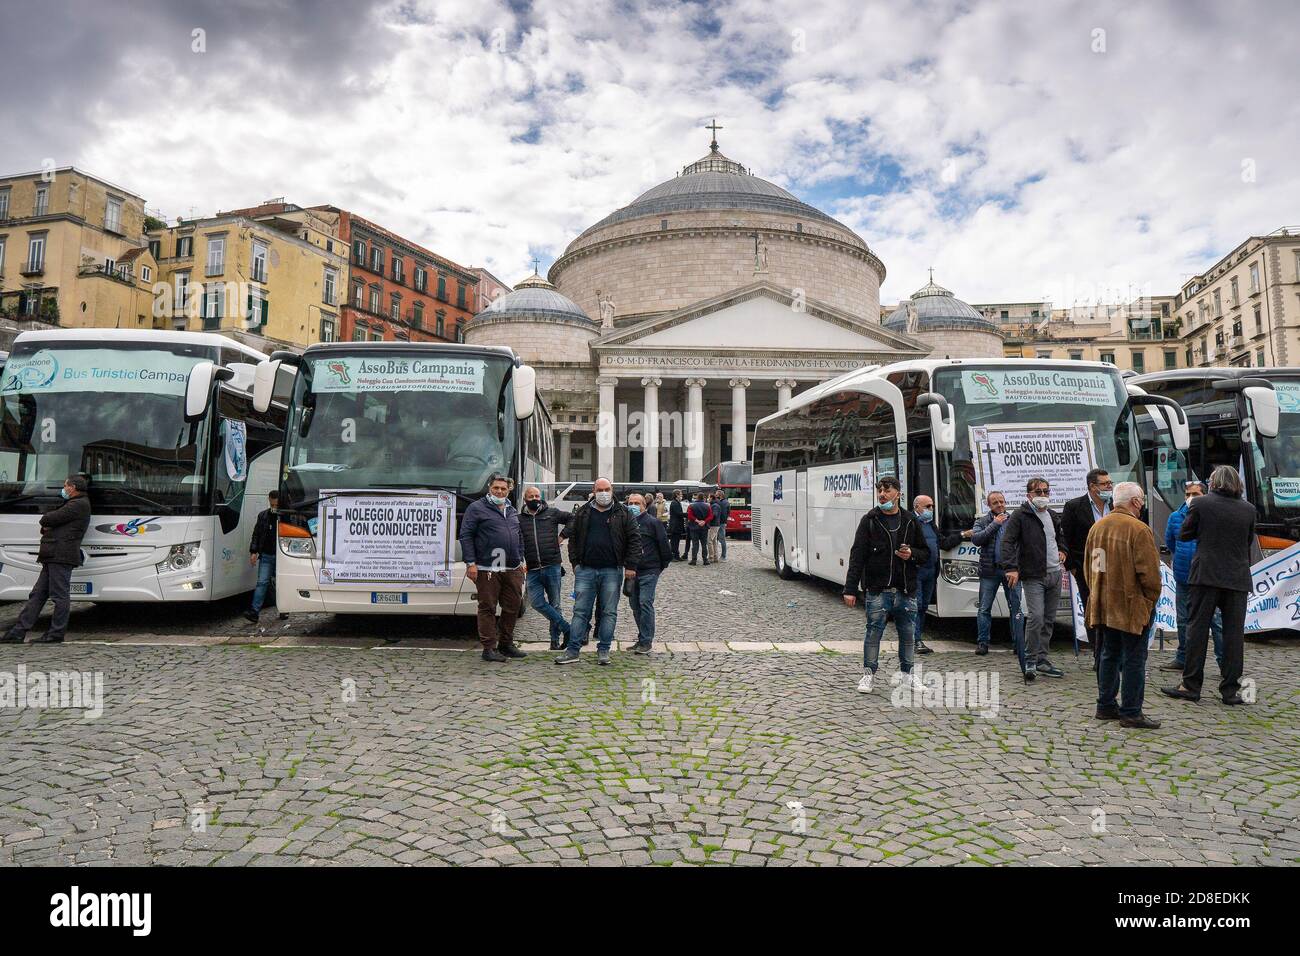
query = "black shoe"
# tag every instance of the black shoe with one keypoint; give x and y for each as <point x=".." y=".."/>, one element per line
<point x="981" y="649"/>
<point x="12" y="638"/>
<point x="251" y="617"/>
<point x="511" y="651"/>
<point x="284" y="617"/>
<point x="1234" y="700"/>
<point x="693" y="563"/>
<point x="557" y="644"/>
<point x="706" y="564"/>
<point x="493" y="655"/>
<point x="47" y="639"/>
<point x="1171" y="666"/>
<point x="1180" y="693"/>
<point x="1107" y="714"/>
<point x="1030" y="676"/>
<point x="1051" y="671"/>
<point x="639" y="648"/>
<point x="922" y="649"/>
<point x="1141" y="721"/>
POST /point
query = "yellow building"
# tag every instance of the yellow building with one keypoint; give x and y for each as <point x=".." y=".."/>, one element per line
<point x="272" y="277"/>
<point x="72" y="251"/>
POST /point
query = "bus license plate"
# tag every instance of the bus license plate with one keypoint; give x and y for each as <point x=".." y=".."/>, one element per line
<point x="80" y="587"/>
<point x="387" y="597"/>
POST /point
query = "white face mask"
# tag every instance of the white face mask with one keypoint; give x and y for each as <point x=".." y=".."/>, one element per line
<point x="603" y="498"/>
<point x="1041" y="503"/>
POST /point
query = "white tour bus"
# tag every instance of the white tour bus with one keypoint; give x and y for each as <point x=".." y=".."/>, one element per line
<point x="179" y="464"/>
<point x="953" y="429"/>
<point x="386" y="444"/>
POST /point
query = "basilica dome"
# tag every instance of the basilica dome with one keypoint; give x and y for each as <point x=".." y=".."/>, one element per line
<point x="537" y="321"/>
<point x="951" y="326"/>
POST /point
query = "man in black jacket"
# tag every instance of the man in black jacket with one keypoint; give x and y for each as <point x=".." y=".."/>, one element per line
<point x="541" y="524"/>
<point x="1223" y="526"/>
<point x="676" y="525"/>
<point x="655" y="557"/>
<point x="261" y="552"/>
<point x="604" y="549"/>
<point x="1078" y="515"/>
<point x="492" y="547"/>
<point x="887" y="549"/>
<point x="698" y="517"/>
<point x="61" y="532"/>
<point x="1033" y="558"/>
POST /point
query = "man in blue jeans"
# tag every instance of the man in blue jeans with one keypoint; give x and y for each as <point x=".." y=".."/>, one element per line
<point x="887" y="550"/>
<point x="656" y="555"/>
<point x="540" y="525"/>
<point x="986" y="535"/>
<point x="724" y="513"/>
<point x="1183" y="552"/>
<point x="261" y="552"/>
<point x="604" y="549"/>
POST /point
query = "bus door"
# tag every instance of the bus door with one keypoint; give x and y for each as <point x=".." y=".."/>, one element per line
<point x="799" y="560"/>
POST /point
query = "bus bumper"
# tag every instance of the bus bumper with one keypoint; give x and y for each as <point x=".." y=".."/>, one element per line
<point x="298" y="591"/>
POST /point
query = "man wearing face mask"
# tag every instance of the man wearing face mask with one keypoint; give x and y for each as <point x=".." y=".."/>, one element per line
<point x="604" y="549"/>
<point x="655" y="558"/>
<point x="1078" y="515"/>
<point x="1034" y="559"/>
<point x="987" y="535"/>
<point x="928" y="570"/>
<point x="62" y="529"/>
<point x="492" y="547"/>
<point x="540" y="525"/>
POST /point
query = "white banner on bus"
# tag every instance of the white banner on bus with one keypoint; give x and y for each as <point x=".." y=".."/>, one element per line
<point x="99" y="370"/>
<point x="1166" y="609"/>
<point x="235" y="435"/>
<point x="403" y="538"/>
<point x="1288" y="397"/>
<point x="990" y="386"/>
<point x="1007" y="456"/>
<point x="397" y="374"/>
<point x="1274" y="601"/>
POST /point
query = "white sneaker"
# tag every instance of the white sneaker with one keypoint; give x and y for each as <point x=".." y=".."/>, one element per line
<point x="864" y="685"/>
<point x="915" y="681"/>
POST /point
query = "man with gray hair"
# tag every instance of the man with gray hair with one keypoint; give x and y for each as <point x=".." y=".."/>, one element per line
<point x="1223" y="525"/>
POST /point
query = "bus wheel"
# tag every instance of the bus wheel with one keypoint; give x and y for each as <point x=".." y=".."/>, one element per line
<point x="783" y="569"/>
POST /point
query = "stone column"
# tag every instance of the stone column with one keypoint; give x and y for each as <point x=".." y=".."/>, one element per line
<point x="606" y="428"/>
<point x="784" y="389"/>
<point x="650" y="433"/>
<point x="562" y="465"/>
<point x="695" y="429"/>
<point x="739" y="446"/>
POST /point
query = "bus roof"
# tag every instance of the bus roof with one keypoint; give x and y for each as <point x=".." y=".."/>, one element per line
<point x="166" y="337"/>
<point x="502" y="351"/>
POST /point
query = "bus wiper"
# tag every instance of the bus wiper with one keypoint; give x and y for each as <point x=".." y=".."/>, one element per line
<point x="455" y="491"/>
<point x="156" y="505"/>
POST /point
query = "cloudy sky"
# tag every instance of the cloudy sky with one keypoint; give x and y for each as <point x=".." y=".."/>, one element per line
<point x="1025" y="150"/>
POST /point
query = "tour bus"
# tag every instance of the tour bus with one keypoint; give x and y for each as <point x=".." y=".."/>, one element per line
<point x="571" y="495"/>
<point x="178" y="462"/>
<point x="1248" y="418"/>
<point x="387" y="443"/>
<point x="953" y="429"/>
<point x="735" y="479"/>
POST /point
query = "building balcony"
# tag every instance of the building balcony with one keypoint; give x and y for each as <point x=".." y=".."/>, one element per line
<point x="104" y="272"/>
<point x="215" y="270"/>
<point x="32" y="269"/>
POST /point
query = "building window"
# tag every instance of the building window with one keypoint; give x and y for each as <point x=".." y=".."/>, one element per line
<point x="113" y="215"/>
<point x="184" y="247"/>
<point x="439" y="325"/>
<point x="42" y="204"/>
<point x="258" y="307"/>
<point x="1218" y="304"/>
<point x="374" y="299"/>
<point x="2" y="257"/>
<point x="328" y="328"/>
<point x="1236" y="299"/>
<point x="182" y="293"/>
<point x="4" y="203"/>
<point x="1188" y="356"/>
<point x="1236" y="329"/>
<point x="1254" y="277"/>
<point x="1139" y="360"/>
<point x="419" y="315"/>
<point x="359" y="295"/>
<point x="395" y="307"/>
<point x="376" y="260"/>
<point x="331" y="285"/>
<point x="1259" y="357"/>
<point x="1259" y="323"/>
<point x="1108" y="358"/>
<point x="35" y="254"/>
<point x="155" y="249"/>
<point x="259" y="261"/>
<point x="397" y="269"/>
<point x="442" y="288"/>
<point x="376" y="335"/>
<point x="214" y="305"/>
<point x="216" y="256"/>
<point x="146" y="274"/>
<point x="421" y="278"/>
<point x="359" y="333"/>
<point x="460" y="295"/>
<point x="1076" y="355"/>
<point x="1045" y="354"/>
<point x="460" y="331"/>
<point x="1218" y="338"/>
<point x="359" y="252"/>
<point x="1171" y="358"/>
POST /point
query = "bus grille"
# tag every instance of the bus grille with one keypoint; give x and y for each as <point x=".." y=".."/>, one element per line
<point x="755" y="532"/>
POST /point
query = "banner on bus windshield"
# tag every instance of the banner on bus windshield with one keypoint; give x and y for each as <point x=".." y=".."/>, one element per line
<point x="98" y="370"/>
<point x="398" y="374"/>
<point x="1007" y="456"/>
<point x="995" y="386"/>
<point x="1288" y="397"/>
<point x="403" y="538"/>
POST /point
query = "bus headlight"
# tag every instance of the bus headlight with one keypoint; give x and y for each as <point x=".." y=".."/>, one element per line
<point x="956" y="572"/>
<point x="180" y="558"/>
<point x="298" y="547"/>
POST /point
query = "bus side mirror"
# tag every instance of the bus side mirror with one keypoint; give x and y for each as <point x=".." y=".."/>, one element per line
<point x="1264" y="410"/>
<point x="1165" y="411"/>
<point x="264" y="384"/>
<point x="525" y="386"/>
<point x="198" y="388"/>
<point x="943" y="430"/>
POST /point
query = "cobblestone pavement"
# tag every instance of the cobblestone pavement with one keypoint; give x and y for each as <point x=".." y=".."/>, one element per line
<point x="315" y="743"/>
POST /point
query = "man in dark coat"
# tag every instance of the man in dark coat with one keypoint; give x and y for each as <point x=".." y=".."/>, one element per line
<point x="677" y="525"/>
<point x="698" y="517"/>
<point x="492" y="547"/>
<point x="724" y="515"/>
<point x="261" y="553"/>
<point x="1223" y="525"/>
<point x="1078" y="515"/>
<point x="655" y="558"/>
<point x="541" y="524"/>
<point x="1032" y="554"/>
<point x="61" y="532"/>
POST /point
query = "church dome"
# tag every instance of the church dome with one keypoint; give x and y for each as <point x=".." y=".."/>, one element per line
<point x="535" y="298"/>
<point x="937" y="308"/>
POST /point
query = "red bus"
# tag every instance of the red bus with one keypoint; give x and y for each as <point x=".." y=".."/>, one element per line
<point x="734" y="478"/>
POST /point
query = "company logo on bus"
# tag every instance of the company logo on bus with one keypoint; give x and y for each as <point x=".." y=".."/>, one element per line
<point x="847" y="485"/>
<point x="340" y="372"/>
<point x="34" y="372"/>
<point x="132" y="528"/>
<point x="985" y="382"/>
<point x="778" y="490"/>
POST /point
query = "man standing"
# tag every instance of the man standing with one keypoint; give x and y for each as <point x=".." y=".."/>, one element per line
<point x="604" y="549"/>
<point x="676" y="525"/>
<point x="1122" y="568"/>
<point x="261" y="552"/>
<point x="540" y="525"/>
<point x="887" y="550"/>
<point x="1183" y="552"/>
<point x="927" y="572"/>
<point x="61" y="532"/>
<point x="655" y="557"/>
<point x="1077" y="518"/>
<point x="1223" y="525"/>
<point x="492" y="547"/>
<point x="1032" y="557"/>
<point x="724" y="513"/>
<point x="715" y="512"/>
<point x="697" y="522"/>
<point x="987" y="535"/>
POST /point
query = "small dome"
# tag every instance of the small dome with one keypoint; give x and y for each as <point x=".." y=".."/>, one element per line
<point x="937" y="308"/>
<point x="535" y="298"/>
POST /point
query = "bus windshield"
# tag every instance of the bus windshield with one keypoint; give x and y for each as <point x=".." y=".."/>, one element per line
<point x="1014" y="423"/>
<point x="398" y="419"/>
<point x="116" y="413"/>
